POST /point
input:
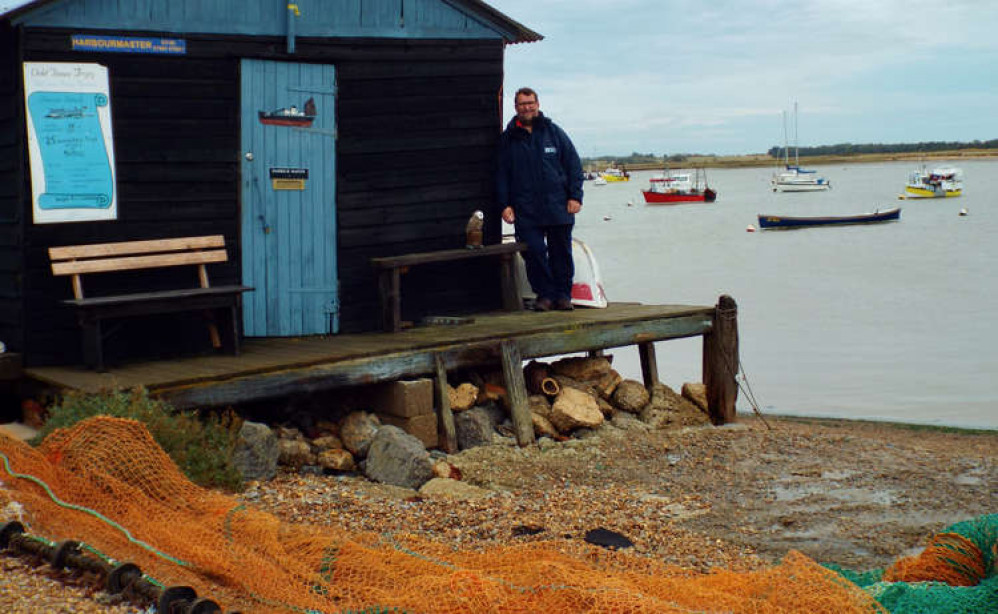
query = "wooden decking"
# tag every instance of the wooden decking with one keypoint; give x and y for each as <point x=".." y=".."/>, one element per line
<point x="273" y="367"/>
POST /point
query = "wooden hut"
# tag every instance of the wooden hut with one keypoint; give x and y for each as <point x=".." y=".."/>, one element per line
<point x="312" y="136"/>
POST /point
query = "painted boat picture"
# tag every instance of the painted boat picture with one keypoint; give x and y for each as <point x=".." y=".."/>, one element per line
<point x="290" y="116"/>
<point x="783" y="221"/>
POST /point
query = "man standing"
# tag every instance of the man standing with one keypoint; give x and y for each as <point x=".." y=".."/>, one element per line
<point x="539" y="189"/>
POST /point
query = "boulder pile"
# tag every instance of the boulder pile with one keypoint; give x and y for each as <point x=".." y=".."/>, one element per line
<point x="388" y="432"/>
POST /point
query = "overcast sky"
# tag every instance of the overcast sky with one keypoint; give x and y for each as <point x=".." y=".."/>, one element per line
<point x="697" y="76"/>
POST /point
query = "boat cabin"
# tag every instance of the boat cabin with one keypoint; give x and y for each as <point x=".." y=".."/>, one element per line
<point x="312" y="137"/>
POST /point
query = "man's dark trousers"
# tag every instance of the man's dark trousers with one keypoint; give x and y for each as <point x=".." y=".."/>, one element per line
<point x="548" y="259"/>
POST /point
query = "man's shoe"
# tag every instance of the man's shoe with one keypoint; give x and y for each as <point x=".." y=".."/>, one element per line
<point x="542" y="304"/>
<point x="564" y="304"/>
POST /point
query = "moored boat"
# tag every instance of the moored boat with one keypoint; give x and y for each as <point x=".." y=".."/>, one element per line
<point x="936" y="183"/>
<point x="784" y="221"/>
<point x="794" y="178"/>
<point x="672" y="187"/>
<point x="612" y="174"/>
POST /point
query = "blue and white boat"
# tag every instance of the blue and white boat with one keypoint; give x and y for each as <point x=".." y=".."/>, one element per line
<point x="793" y="178"/>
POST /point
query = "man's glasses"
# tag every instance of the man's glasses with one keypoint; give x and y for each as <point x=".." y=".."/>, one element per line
<point x="532" y="103"/>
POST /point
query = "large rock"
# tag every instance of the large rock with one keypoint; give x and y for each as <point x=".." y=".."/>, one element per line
<point x="543" y="426"/>
<point x="630" y="396"/>
<point x="539" y="404"/>
<point x="474" y="428"/>
<point x="668" y="409"/>
<point x="583" y="369"/>
<point x="396" y="457"/>
<point x="336" y="459"/>
<point x="256" y="452"/>
<point x="357" y="432"/>
<point x="696" y="393"/>
<point x="463" y="397"/>
<point x="573" y="409"/>
<point x="294" y="453"/>
<point x="607" y="384"/>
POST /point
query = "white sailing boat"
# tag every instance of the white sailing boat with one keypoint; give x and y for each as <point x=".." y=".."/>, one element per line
<point x="793" y="178"/>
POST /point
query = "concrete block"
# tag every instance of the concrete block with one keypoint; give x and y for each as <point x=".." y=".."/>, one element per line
<point x="423" y="428"/>
<point x="405" y="398"/>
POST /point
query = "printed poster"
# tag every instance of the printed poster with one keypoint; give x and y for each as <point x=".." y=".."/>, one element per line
<point x="70" y="147"/>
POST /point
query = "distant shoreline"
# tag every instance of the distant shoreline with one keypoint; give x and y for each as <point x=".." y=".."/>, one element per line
<point x="762" y="160"/>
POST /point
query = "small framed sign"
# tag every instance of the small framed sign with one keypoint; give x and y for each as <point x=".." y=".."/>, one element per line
<point x="288" y="178"/>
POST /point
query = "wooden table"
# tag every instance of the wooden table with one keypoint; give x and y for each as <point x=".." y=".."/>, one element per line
<point x="390" y="269"/>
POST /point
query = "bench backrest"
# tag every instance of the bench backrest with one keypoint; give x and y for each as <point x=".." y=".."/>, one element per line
<point x="76" y="260"/>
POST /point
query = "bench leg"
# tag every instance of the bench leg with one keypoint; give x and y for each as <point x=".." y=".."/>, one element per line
<point x="390" y="293"/>
<point x="233" y="327"/>
<point x="216" y="338"/>
<point x="93" y="349"/>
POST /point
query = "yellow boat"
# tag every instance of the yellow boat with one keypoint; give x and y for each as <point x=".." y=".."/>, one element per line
<point x="615" y="174"/>
<point x="937" y="183"/>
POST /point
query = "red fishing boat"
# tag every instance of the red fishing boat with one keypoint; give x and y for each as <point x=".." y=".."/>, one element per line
<point x="673" y="187"/>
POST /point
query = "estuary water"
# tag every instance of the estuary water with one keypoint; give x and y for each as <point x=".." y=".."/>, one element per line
<point x="893" y="321"/>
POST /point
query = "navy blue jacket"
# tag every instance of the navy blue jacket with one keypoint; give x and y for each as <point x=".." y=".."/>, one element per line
<point x="537" y="173"/>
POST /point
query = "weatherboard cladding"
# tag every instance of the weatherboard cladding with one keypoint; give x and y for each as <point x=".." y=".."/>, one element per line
<point x="328" y="18"/>
<point x="417" y="122"/>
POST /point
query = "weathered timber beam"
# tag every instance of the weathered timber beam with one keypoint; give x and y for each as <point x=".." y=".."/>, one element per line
<point x="720" y="362"/>
<point x="649" y="364"/>
<point x="421" y="362"/>
<point x="446" y="429"/>
<point x="516" y="392"/>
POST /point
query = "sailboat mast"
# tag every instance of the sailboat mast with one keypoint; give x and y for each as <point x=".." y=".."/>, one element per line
<point x="786" y="142"/>
<point x="796" y="141"/>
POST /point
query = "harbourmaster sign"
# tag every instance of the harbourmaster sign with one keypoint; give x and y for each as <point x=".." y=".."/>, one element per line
<point x="129" y="44"/>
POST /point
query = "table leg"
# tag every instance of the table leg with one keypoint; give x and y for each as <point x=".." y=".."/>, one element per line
<point x="389" y="290"/>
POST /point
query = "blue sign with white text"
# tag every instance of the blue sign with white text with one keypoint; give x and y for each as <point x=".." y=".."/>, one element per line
<point x="129" y="44"/>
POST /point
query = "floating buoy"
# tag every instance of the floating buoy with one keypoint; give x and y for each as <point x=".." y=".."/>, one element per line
<point x="750" y="228"/>
<point x="963" y="211"/>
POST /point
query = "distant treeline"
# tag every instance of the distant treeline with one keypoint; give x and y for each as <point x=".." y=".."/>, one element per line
<point x="635" y="158"/>
<point x="842" y="149"/>
<point x="845" y="149"/>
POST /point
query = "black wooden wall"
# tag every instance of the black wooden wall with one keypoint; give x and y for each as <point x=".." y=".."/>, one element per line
<point x="12" y="168"/>
<point x="417" y="126"/>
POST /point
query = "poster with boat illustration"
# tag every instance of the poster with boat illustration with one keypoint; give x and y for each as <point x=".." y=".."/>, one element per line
<point x="291" y="115"/>
<point x="70" y="145"/>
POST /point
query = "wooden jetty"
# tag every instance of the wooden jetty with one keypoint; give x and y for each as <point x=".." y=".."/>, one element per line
<point x="275" y="367"/>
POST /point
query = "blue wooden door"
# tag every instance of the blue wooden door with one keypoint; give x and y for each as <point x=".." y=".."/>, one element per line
<point x="289" y="198"/>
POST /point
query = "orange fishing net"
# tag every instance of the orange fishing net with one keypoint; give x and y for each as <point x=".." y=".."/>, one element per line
<point x="113" y="488"/>
<point x="949" y="557"/>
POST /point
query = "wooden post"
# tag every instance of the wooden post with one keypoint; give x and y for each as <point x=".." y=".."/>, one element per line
<point x="446" y="430"/>
<point x="720" y="362"/>
<point x="516" y="391"/>
<point x="511" y="299"/>
<point x="649" y="365"/>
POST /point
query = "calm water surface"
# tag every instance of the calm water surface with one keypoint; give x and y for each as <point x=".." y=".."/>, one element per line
<point x="891" y="321"/>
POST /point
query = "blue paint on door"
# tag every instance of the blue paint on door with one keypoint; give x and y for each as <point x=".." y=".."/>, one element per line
<point x="288" y="129"/>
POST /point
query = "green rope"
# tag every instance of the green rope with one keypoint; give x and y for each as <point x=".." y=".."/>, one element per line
<point x="94" y="513"/>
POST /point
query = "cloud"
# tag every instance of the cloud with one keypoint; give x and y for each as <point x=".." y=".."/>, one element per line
<point x="715" y="76"/>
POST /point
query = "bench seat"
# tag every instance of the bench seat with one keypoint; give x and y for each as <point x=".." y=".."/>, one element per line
<point x="215" y="302"/>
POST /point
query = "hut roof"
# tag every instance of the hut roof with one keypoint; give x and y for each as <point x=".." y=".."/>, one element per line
<point x="512" y="30"/>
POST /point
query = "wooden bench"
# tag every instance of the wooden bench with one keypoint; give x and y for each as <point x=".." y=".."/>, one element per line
<point x="391" y="268"/>
<point x="79" y="260"/>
